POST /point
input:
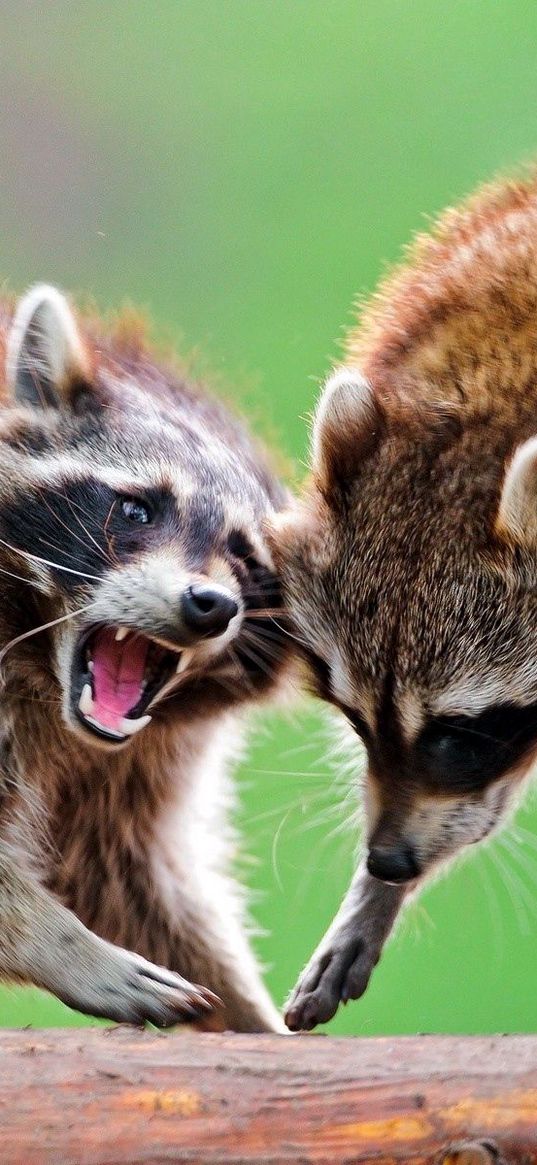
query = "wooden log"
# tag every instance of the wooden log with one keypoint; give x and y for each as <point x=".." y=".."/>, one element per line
<point x="126" y="1097"/>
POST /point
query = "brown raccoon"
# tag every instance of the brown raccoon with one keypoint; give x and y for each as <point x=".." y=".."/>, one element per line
<point x="139" y="619"/>
<point x="410" y="566"/>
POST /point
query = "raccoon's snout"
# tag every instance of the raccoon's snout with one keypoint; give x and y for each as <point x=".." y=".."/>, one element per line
<point x="395" y="865"/>
<point x="118" y="671"/>
<point x="207" y="610"/>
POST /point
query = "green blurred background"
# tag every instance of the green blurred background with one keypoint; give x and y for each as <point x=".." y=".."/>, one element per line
<point x="242" y="169"/>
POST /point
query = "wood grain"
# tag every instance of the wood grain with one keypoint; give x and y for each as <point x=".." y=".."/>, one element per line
<point x="125" y="1097"/>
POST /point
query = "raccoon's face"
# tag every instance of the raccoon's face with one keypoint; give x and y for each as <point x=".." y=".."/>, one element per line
<point x="411" y="579"/>
<point x="131" y="512"/>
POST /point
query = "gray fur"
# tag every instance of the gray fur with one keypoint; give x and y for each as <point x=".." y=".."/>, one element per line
<point x="341" y="966"/>
<point x="109" y="849"/>
<point x="410" y="566"/>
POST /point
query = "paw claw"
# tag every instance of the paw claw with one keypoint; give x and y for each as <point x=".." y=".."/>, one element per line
<point x="206" y="998"/>
<point x="334" y="977"/>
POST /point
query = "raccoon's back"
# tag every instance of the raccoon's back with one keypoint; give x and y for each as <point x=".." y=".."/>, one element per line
<point x="456" y="325"/>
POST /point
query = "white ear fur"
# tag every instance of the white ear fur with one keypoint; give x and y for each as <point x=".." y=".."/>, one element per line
<point x="45" y="354"/>
<point x="517" y="515"/>
<point x="345" y="421"/>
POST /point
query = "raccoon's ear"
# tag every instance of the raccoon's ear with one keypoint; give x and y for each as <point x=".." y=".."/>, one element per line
<point x="46" y="364"/>
<point x="344" y="428"/>
<point x="517" y="513"/>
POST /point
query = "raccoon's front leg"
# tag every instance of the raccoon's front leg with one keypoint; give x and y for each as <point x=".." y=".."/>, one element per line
<point x="246" y="1004"/>
<point x="342" y="965"/>
<point x="43" y="943"/>
<point x="203" y="937"/>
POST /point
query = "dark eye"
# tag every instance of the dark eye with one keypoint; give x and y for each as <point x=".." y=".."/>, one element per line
<point x="239" y="546"/>
<point x="135" y="511"/>
<point x="467" y="752"/>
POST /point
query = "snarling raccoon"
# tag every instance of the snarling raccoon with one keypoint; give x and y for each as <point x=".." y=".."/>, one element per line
<point x="139" y="618"/>
<point x="410" y="567"/>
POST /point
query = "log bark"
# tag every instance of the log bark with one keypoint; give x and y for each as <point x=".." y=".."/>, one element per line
<point x="126" y="1097"/>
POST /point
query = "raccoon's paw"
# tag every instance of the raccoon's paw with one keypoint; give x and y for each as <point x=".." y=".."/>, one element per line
<point x="333" y="976"/>
<point x="124" y="987"/>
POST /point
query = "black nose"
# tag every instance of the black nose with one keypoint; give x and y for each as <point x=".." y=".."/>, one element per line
<point x="392" y="865"/>
<point x="207" y="609"/>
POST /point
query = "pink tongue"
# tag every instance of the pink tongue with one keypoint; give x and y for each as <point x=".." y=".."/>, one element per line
<point x="118" y="672"/>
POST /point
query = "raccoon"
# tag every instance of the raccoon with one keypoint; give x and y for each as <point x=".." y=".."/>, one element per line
<point x="139" y="620"/>
<point x="410" y="565"/>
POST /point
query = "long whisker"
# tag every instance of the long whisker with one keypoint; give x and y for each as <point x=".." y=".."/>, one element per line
<point x="20" y="577"/>
<point x="86" y="531"/>
<point x="490" y="895"/>
<point x="44" y="627"/>
<point x="74" y="505"/>
<point x="274" y="851"/>
<point x="510" y="881"/>
<point x="304" y="773"/>
<point x="263" y="612"/>
<point x="463" y="729"/>
<point x="317" y="738"/>
<point x="244" y="674"/>
<point x="47" y="562"/>
<point x="523" y="859"/>
<point x="285" y="631"/>
<point x="263" y="632"/>
<point x="71" y="532"/>
<point x="268" y="649"/>
<point x="110" y="538"/>
<point x="256" y="659"/>
<point x="524" y="836"/>
<point x="60" y="549"/>
<point x="218" y="678"/>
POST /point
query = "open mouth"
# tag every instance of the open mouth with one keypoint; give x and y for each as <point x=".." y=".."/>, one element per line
<point x="116" y="675"/>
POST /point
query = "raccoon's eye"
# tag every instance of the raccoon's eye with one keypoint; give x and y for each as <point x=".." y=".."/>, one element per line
<point x="467" y="752"/>
<point x="239" y="546"/>
<point x="135" y="511"/>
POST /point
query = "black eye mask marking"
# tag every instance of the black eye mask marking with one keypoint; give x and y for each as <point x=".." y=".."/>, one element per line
<point x="240" y="547"/>
<point x="80" y="526"/>
<point x="322" y="680"/>
<point x="466" y="753"/>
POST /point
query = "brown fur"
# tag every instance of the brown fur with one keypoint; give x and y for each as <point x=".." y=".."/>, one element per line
<point x="410" y="565"/>
<point x="117" y="849"/>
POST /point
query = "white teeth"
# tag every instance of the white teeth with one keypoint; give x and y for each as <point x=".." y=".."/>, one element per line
<point x="129" y="727"/>
<point x="91" y="666"/>
<point x="104" y="728"/>
<point x="122" y="632"/>
<point x="184" y="662"/>
<point x="124" y="728"/>
<point x="86" y="700"/>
